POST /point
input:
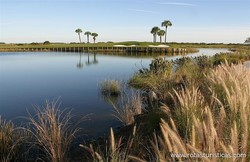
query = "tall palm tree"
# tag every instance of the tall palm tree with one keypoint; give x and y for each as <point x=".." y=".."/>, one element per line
<point x="79" y="31"/>
<point x="94" y="36"/>
<point x="166" y="23"/>
<point x="154" y="31"/>
<point x="88" y="34"/>
<point x="161" y="33"/>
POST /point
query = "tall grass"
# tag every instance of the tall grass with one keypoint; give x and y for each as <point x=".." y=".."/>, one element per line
<point x="115" y="151"/>
<point x="11" y="139"/>
<point x="235" y="82"/>
<point x="53" y="131"/>
<point x="218" y="127"/>
<point x="128" y="107"/>
<point x="6" y="141"/>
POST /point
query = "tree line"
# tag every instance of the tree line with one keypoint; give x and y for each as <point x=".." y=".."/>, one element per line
<point x="87" y="33"/>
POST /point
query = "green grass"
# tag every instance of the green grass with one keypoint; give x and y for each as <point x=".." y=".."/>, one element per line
<point x="110" y="44"/>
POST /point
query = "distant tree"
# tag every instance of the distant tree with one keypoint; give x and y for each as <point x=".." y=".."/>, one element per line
<point x="34" y="43"/>
<point x="79" y="31"/>
<point x="247" y="41"/>
<point x="161" y="33"/>
<point x="46" y="42"/>
<point x="154" y="31"/>
<point x="94" y="35"/>
<point x="88" y="34"/>
<point x="166" y="23"/>
<point x="2" y="42"/>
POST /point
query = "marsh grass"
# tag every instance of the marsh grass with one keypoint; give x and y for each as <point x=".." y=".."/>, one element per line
<point x="128" y="107"/>
<point x="115" y="150"/>
<point x="110" y="87"/>
<point x="6" y="139"/>
<point x="53" y="131"/>
<point x="12" y="139"/>
<point x="215" y="127"/>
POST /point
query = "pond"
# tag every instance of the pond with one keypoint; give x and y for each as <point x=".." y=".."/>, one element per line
<point x="29" y="78"/>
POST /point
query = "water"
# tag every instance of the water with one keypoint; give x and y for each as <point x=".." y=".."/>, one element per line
<point x="27" y="79"/>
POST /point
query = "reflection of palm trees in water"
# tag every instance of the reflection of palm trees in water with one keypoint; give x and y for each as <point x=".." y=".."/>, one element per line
<point x="80" y="64"/>
<point x="95" y="61"/>
<point x="88" y="62"/>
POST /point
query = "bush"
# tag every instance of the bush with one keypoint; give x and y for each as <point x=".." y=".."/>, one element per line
<point x="34" y="43"/>
<point x="46" y="42"/>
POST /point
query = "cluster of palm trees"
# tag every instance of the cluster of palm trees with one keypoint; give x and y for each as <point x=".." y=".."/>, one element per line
<point x="87" y="33"/>
<point x="157" y="31"/>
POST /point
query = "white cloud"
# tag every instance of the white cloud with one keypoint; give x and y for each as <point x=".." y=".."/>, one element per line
<point x="178" y="4"/>
<point x="144" y="11"/>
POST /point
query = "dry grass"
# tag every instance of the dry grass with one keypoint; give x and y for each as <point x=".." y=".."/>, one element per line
<point x="235" y="81"/>
<point x="221" y="127"/>
<point x="53" y="131"/>
<point x="128" y="108"/>
<point x="187" y="102"/>
<point x="116" y="150"/>
<point x="10" y="140"/>
<point x="6" y="141"/>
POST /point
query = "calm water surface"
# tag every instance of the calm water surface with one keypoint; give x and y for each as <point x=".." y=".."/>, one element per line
<point x="28" y="78"/>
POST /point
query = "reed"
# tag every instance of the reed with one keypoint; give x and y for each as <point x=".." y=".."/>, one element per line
<point x="11" y="139"/>
<point x="53" y="130"/>
<point x="128" y="107"/>
<point x="115" y="150"/>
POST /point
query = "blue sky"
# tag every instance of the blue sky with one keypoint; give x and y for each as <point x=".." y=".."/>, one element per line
<point x="226" y="21"/>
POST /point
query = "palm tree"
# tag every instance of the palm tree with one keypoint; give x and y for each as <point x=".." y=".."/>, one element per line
<point x="161" y="33"/>
<point x="166" y="23"/>
<point x="79" y="31"/>
<point x="154" y="31"/>
<point x="88" y="34"/>
<point x="94" y="36"/>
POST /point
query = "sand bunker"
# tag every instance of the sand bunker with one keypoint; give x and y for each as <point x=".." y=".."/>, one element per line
<point x="159" y="46"/>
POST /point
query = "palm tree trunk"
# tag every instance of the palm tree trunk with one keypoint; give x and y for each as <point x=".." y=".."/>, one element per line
<point x="79" y="37"/>
<point x="166" y="35"/>
<point x="88" y="38"/>
<point x="160" y="38"/>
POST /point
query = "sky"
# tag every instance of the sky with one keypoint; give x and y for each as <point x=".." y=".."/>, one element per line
<point x="209" y="21"/>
